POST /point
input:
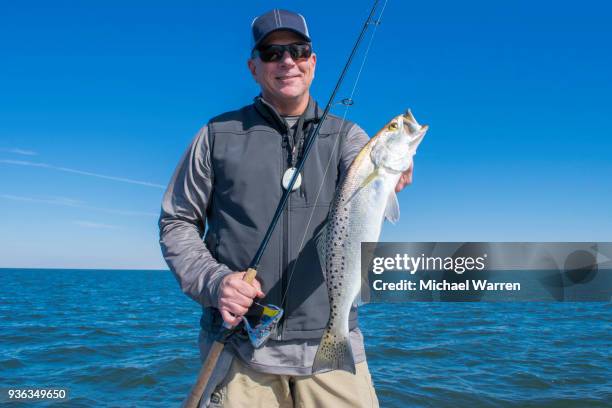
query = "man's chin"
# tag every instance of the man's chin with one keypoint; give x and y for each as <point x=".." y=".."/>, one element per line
<point x="290" y="94"/>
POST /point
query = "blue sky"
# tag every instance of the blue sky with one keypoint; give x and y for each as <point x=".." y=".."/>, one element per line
<point x="98" y="100"/>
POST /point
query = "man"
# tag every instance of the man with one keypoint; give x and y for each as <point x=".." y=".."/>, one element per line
<point x="231" y="179"/>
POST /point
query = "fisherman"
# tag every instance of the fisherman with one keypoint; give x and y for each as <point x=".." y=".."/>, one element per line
<point x="231" y="179"/>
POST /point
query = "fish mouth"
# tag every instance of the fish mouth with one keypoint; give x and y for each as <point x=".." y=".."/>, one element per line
<point x="411" y="125"/>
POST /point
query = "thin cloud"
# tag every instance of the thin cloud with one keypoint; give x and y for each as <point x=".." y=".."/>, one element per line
<point x="81" y="172"/>
<point x="53" y="200"/>
<point x="17" y="150"/>
<point x="96" y="225"/>
<point x="67" y="202"/>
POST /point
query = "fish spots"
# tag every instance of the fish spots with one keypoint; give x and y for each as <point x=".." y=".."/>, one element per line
<point x="332" y="348"/>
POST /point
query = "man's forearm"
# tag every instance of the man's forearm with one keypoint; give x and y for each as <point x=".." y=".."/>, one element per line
<point x="198" y="273"/>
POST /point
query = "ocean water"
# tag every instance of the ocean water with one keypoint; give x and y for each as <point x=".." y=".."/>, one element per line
<point x="129" y="339"/>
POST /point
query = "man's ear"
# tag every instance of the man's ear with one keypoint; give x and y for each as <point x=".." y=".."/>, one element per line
<point x="314" y="64"/>
<point x="253" y="68"/>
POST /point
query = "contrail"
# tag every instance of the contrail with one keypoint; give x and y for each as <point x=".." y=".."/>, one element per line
<point x="17" y="150"/>
<point x="84" y="173"/>
<point x="67" y="202"/>
<point x="96" y="225"/>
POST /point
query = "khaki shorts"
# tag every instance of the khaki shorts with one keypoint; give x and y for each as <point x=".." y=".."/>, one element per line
<point x="245" y="387"/>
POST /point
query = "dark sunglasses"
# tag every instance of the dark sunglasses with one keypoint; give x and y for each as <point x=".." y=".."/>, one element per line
<point x="275" y="52"/>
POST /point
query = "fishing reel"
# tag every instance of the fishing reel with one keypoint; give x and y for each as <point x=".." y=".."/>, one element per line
<point x="261" y="322"/>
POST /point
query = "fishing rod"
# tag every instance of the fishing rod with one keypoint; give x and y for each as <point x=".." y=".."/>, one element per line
<point x="285" y="198"/>
<point x="217" y="347"/>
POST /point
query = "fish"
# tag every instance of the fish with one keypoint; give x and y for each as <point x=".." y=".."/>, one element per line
<point x="365" y="197"/>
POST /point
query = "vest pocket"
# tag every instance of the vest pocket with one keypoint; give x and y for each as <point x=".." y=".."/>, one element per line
<point x="307" y="303"/>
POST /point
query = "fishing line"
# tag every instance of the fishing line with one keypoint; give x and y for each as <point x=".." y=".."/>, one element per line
<point x="347" y="102"/>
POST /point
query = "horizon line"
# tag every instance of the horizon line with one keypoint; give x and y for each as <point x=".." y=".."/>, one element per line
<point x="86" y="269"/>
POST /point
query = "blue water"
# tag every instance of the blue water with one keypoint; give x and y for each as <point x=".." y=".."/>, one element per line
<point x="129" y="338"/>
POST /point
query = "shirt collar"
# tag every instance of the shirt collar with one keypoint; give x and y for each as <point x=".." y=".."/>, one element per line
<point x="312" y="113"/>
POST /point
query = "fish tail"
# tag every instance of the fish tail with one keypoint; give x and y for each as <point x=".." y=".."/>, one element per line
<point x="334" y="353"/>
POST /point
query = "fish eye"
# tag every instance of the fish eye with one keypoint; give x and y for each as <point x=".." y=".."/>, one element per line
<point x="392" y="126"/>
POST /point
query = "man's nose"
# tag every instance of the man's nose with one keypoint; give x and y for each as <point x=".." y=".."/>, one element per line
<point x="286" y="59"/>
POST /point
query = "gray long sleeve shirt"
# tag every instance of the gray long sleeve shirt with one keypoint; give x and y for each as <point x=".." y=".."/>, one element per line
<point x="182" y="224"/>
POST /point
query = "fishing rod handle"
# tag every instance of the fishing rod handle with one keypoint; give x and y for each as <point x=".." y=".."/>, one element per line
<point x="249" y="276"/>
<point x="213" y="357"/>
<point x="195" y="395"/>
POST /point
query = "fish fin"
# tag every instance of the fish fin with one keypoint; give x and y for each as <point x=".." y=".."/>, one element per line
<point x="363" y="296"/>
<point x="358" y="299"/>
<point x="367" y="253"/>
<point x="370" y="178"/>
<point x="334" y="353"/>
<point x="321" y="244"/>
<point x="392" y="211"/>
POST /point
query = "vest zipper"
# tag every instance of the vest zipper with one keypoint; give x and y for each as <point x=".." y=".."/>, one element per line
<point x="284" y="267"/>
<point x="284" y="245"/>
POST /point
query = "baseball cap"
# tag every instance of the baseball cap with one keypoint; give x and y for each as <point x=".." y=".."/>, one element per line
<point x="277" y="19"/>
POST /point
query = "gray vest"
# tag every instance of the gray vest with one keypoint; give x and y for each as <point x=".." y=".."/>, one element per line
<point x="249" y="156"/>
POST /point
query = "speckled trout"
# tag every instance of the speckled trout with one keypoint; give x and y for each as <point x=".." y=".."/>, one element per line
<point x="365" y="198"/>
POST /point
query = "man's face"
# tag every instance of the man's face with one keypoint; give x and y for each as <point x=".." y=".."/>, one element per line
<point x="284" y="80"/>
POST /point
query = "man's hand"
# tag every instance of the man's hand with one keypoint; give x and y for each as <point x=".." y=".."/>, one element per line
<point x="405" y="179"/>
<point x="236" y="296"/>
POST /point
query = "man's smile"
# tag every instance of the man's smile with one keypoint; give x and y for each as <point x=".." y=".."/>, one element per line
<point x="287" y="77"/>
